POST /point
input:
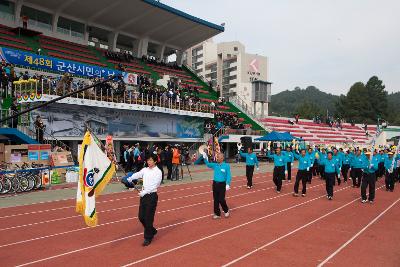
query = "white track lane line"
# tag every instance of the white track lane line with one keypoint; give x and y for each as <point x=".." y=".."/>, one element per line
<point x="124" y="207"/>
<point x="290" y="233"/>
<point x="176" y="224"/>
<point x="111" y="200"/>
<point x="358" y="234"/>
<point x="126" y="219"/>
<point x="228" y="230"/>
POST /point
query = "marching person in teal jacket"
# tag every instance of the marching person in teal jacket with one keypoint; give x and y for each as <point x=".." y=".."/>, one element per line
<point x="311" y="155"/>
<point x="370" y="167"/>
<point x="290" y="158"/>
<point x="356" y="165"/>
<point x="336" y="156"/>
<point x="221" y="183"/>
<point x="382" y="156"/>
<point x="279" y="167"/>
<point x="331" y="170"/>
<point x="322" y="157"/>
<point x="251" y="160"/>
<point x="390" y="167"/>
<point x="345" y="165"/>
<point x="302" y="173"/>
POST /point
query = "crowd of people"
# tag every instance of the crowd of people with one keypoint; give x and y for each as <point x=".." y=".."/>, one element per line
<point x="160" y="62"/>
<point x="335" y="166"/>
<point x="122" y="56"/>
<point x="172" y="157"/>
<point x="223" y="120"/>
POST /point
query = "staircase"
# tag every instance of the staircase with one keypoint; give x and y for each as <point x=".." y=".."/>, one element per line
<point x="240" y="104"/>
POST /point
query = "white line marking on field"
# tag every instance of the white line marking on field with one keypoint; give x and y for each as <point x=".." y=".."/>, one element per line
<point x="358" y="234"/>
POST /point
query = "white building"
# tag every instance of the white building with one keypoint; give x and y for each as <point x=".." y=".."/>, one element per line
<point x="229" y="68"/>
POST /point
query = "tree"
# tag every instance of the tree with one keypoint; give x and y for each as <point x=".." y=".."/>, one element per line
<point x="377" y="98"/>
<point x="308" y="110"/>
<point x="364" y="103"/>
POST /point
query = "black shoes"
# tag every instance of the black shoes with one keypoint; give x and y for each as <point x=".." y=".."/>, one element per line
<point x="146" y="242"/>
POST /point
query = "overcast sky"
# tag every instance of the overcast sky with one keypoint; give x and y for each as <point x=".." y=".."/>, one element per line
<point x="330" y="44"/>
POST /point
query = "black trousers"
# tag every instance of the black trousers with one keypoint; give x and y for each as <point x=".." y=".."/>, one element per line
<point x="314" y="168"/>
<point x="390" y="179"/>
<point x="301" y="176"/>
<point x="219" y="189"/>
<point x="169" y="167"/>
<point x="278" y="176"/>
<point x="358" y="173"/>
<point x="330" y="181"/>
<point x="381" y="169"/>
<point x="369" y="180"/>
<point x="249" y="175"/>
<point x="322" y="171"/>
<point x="147" y="209"/>
<point x="289" y="171"/>
<point x="345" y="171"/>
<point x="398" y="174"/>
<point x="309" y="175"/>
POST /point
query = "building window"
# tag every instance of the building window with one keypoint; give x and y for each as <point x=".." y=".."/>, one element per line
<point x="235" y="48"/>
<point x="37" y="18"/>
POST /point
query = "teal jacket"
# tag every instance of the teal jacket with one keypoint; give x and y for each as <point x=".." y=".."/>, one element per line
<point x="371" y="166"/>
<point x="357" y="162"/>
<point x="331" y="166"/>
<point x="304" y="162"/>
<point x="279" y="161"/>
<point x="222" y="172"/>
<point x="289" y="156"/>
<point x="251" y="159"/>
<point x="322" y="158"/>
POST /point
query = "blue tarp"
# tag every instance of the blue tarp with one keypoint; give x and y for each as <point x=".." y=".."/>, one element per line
<point x="277" y="136"/>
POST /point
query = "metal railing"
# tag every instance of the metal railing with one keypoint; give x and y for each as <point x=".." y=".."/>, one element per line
<point x="23" y="125"/>
<point x="36" y="88"/>
<point x="239" y="103"/>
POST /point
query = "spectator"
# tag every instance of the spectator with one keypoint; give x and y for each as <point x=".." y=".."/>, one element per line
<point x="39" y="127"/>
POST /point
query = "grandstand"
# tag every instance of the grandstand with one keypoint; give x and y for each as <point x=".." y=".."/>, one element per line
<point x="92" y="46"/>
<point x="321" y="133"/>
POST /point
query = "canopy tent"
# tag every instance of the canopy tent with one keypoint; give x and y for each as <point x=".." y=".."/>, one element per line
<point x="276" y="136"/>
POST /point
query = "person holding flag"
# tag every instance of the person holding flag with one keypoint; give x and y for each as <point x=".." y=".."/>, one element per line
<point x="279" y="167"/>
<point x="251" y="160"/>
<point x="303" y="168"/>
<point x="151" y="176"/>
<point x="95" y="171"/>
<point x="221" y="183"/>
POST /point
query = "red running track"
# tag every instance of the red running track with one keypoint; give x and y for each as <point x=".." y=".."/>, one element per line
<point x="265" y="229"/>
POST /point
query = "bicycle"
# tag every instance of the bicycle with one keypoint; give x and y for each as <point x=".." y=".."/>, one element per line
<point x="5" y="182"/>
<point x="19" y="183"/>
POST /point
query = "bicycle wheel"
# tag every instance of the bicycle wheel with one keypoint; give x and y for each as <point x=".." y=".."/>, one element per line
<point x="23" y="183"/>
<point x="38" y="181"/>
<point x="6" y="184"/>
<point x="31" y="182"/>
<point x="14" y="184"/>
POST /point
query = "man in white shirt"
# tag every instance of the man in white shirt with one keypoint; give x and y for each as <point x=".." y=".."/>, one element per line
<point x="148" y="196"/>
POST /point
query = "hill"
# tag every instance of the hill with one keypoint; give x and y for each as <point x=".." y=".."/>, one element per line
<point x="394" y="108"/>
<point x="288" y="103"/>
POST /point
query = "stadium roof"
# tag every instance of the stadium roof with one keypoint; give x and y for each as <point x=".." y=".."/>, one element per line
<point x="162" y="24"/>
